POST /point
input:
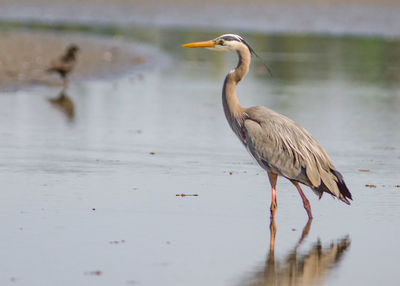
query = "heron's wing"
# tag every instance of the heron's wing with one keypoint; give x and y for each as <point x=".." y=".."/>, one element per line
<point x="282" y="146"/>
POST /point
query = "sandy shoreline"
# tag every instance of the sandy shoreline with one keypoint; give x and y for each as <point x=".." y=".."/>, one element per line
<point x="25" y="56"/>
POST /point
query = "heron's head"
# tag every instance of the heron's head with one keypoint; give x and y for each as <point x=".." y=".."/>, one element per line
<point x="227" y="42"/>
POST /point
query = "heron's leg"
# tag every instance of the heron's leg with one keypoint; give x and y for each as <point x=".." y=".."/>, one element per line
<point x="306" y="203"/>
<point x="272" y="229"/>
<point x="270" y="262"/>
<point x="272" y="179"/>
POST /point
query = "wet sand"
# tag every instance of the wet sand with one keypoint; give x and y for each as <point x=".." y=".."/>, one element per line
<point x="25" y="56"/>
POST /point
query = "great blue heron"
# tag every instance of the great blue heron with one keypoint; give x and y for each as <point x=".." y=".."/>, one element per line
<point x="278" y="144"/>
<point x="65" y="64"/>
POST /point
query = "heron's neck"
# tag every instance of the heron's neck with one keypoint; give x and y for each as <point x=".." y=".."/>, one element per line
<point x="234" y="112"/>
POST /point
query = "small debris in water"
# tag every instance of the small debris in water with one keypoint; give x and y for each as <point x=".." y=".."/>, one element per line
<point x="94" y="273"/>
<point x="389" y="148"/>
<point x="370" y="186"/>
<point x="397" y="186"/>
<point x="230" y="173"/>
<point x="139" y="131"/>
<point x="363" y="170"/>
<point x="117" y="241"/>
<point x="187" y="195"/>
<point x="293" y="229"/>
<point x="152" y="153"/>
<point x="93" y="209"/>
<point x="139" y="60"/>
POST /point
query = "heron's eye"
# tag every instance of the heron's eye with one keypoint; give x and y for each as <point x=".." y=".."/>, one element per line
<point x="221" y="42"/>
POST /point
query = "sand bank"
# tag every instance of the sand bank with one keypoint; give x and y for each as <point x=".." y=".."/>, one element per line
<point x="25" y="56"/>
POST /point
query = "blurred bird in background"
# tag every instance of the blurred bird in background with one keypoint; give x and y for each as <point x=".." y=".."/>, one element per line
<point x="65" y="64"/>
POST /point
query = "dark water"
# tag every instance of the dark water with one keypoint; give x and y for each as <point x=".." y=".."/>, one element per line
<point x="91" y="200"/>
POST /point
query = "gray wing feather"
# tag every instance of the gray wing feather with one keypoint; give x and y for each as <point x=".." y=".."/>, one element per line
<point x="282" y="146"/>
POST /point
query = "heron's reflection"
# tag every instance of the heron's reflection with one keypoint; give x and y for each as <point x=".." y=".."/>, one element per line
<point x="308" y="269"/>
<point x="64" y="103"/>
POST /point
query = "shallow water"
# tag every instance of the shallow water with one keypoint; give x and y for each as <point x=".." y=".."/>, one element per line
<point x="92" y="200"/>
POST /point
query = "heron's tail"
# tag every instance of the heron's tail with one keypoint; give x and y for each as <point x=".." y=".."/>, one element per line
<point x="332" y="180"/>
<point x="344" y="191"/>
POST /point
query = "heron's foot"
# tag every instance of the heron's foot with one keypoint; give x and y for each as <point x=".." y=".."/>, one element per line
<point x="307" y="207"/>
<point x="274" y="207"/>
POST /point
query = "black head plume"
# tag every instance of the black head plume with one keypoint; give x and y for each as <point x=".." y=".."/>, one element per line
<point x="254" y="53"/>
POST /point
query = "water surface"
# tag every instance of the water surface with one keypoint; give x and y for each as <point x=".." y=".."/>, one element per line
<point x="92" y="200"/>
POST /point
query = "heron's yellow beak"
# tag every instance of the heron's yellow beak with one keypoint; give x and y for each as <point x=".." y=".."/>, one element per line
<point x="205" y="44"/>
